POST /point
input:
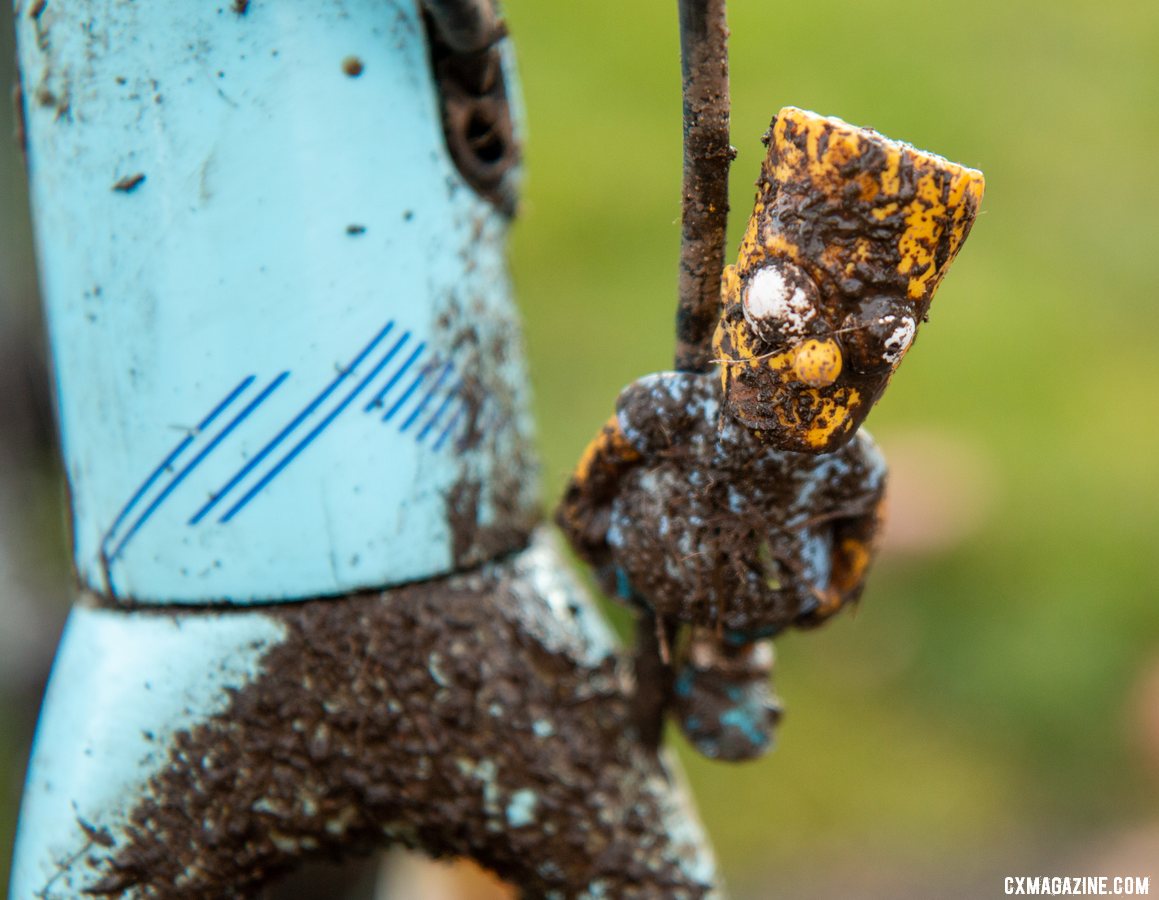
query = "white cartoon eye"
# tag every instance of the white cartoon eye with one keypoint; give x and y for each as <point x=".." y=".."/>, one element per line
<point x="779" y="300"/>
<point x="899" y="339"/>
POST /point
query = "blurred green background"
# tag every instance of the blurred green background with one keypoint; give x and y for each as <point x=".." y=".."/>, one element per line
<point x="992" y="707"/>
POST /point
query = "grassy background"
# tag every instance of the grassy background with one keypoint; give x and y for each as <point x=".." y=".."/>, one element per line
<point x="986" y="709"/>
<point x="993" y="706"/>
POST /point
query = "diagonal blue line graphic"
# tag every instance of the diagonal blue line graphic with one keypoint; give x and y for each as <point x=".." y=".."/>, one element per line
<point x="172" y="457"/>
<point x="376" y="400"/>
<point x="439" y="412"/>
<point x="411" y="388"/>
<point x="450" y="426"/>
<point x="310" y="407"/>
<point x="426" y="399"/>
<point x="196" y="461"/>
<point x="310" y="436"/>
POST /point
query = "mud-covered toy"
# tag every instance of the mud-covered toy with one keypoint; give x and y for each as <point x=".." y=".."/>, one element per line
<point x="745" y="500"/>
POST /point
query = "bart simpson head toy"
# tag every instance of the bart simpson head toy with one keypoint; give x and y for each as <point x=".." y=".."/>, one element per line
<point x="849" y="238"/>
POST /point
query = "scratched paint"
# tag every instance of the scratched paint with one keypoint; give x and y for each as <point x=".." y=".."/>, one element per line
<point x="263" y="386"/>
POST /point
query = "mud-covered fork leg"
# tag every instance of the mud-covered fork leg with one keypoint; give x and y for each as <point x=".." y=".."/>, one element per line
<point x="327" y="727"/>
<point x="313" y="619"/>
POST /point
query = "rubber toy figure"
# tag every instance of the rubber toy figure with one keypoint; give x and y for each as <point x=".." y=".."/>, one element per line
<point x="745" y="500"/>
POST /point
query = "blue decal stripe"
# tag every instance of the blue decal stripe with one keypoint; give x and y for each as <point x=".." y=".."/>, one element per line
<point x="172" y="457"/>
<point x="411" y="388"/>
<point x="450" y="426"/>
<point x="309" y="409"/>
<point x="376" y="400"/>
<point x="308" y="439"/>
<point x="196" y="461"/>
<point x="442" y="409"/>
<point x="425" y="401"/>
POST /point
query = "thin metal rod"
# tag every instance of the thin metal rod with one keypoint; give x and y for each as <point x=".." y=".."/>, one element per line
<point x="707" y="154"/>
<point x="704" y="216"/>
<point x="653" y="664"/>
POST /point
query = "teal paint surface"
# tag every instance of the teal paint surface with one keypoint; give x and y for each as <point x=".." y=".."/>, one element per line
<point x="122" y="686"/>
<point x="274" y="304"/>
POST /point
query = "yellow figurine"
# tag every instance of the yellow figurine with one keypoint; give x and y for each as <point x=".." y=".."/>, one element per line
<point x="744" y="501"/>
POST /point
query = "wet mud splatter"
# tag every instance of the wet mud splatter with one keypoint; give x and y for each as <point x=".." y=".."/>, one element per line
<point x="430" y="716"/>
